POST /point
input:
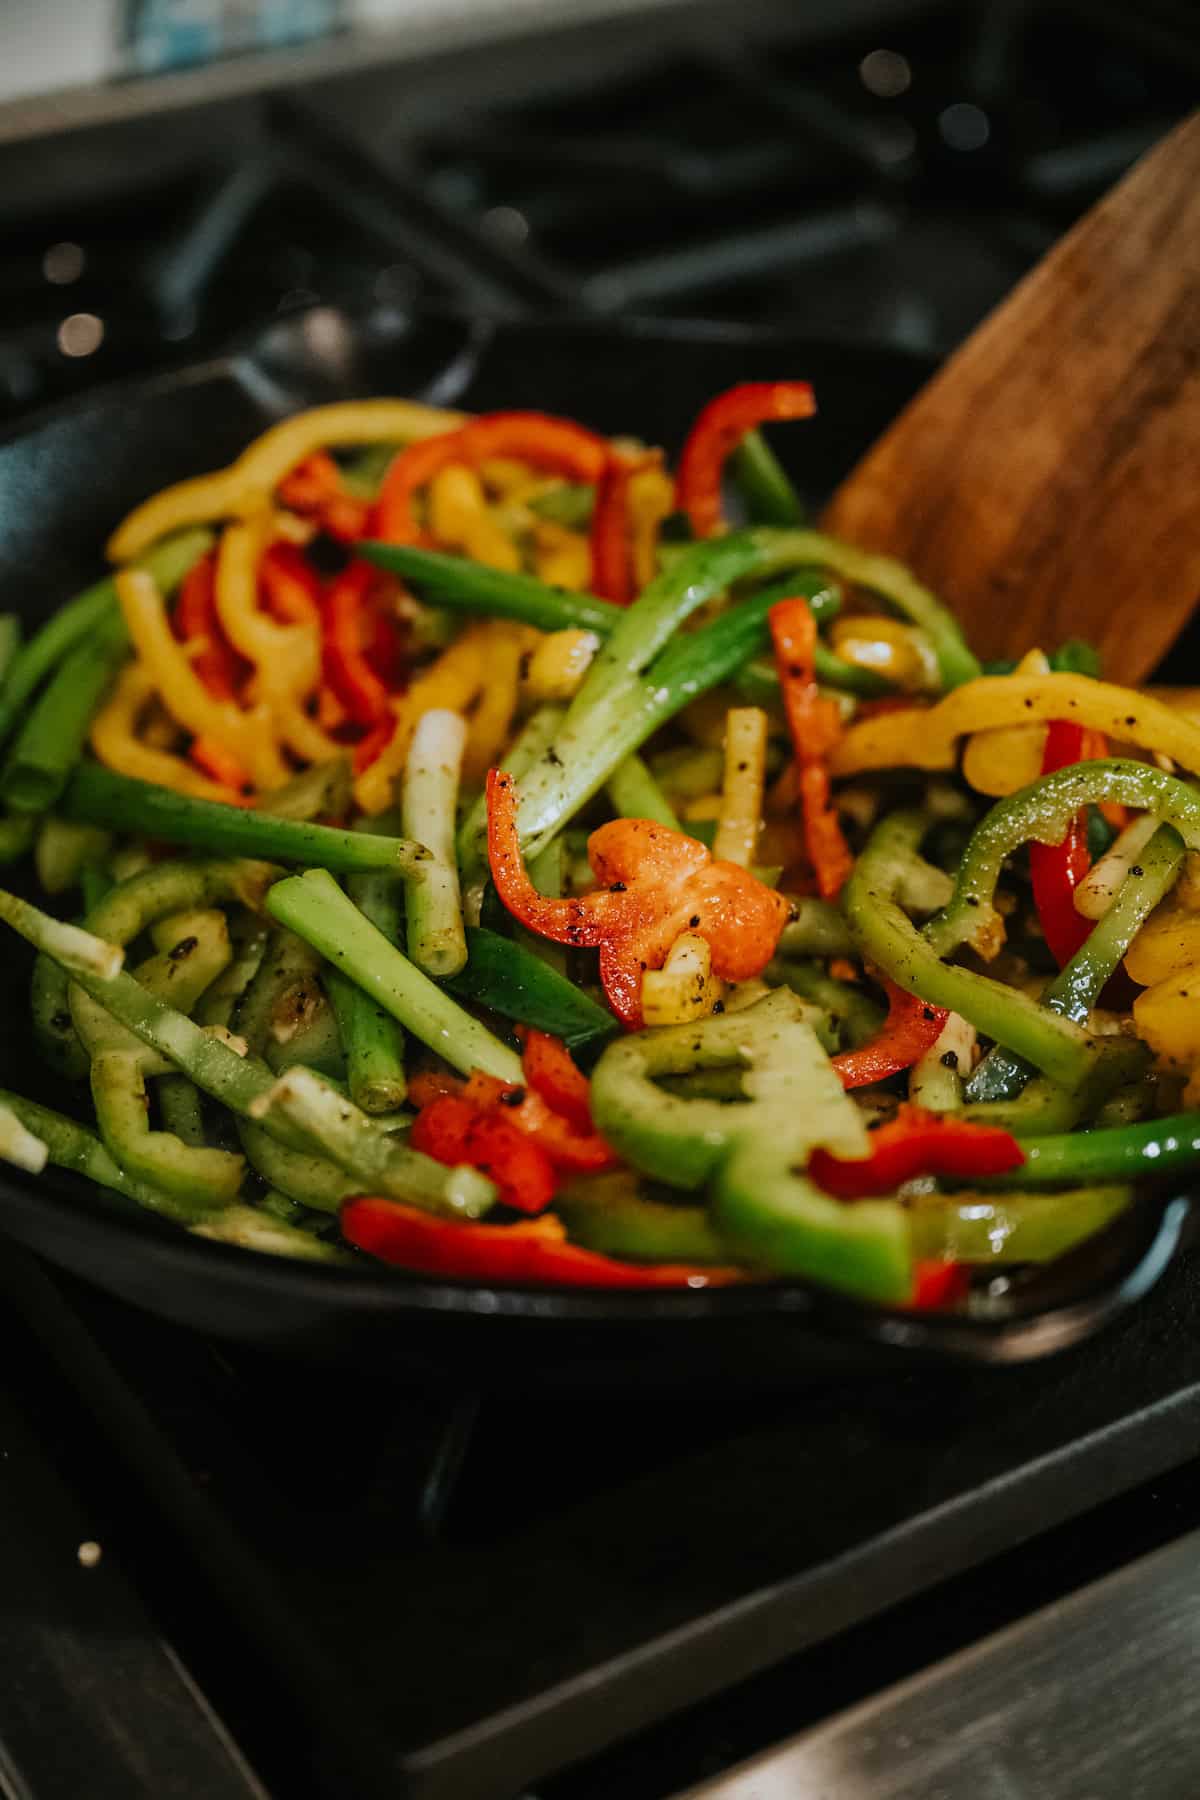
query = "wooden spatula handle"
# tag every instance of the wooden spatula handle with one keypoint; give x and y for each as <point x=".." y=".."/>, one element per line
<point x="1047" y="481"/>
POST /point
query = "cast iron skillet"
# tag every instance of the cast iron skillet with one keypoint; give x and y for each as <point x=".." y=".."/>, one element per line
<point x="67" y="479"/>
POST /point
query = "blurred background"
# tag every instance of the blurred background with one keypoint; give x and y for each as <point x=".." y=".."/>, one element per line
<point x="176" y="171"/>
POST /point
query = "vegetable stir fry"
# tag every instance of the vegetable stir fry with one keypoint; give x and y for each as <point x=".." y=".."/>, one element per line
<point x="464" y="843"/>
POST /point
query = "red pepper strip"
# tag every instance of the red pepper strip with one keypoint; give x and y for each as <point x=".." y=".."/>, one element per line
<point x="938" y="1285"/>
<point x="217" y="663"/>
<point x="718" y="430"/>
<point x="654" y="884"/>
<point x="291" y="587"/>
<point x="553" y="1073"/>
<point x="384" y="648"/>
<point x="219" y="763"/>
<point x="1057" y="869"/>
<point x="815" y="726"/>
<point x="314" y="489"/>
<point x="611" y="534"/>
<point x="580" y="1152"/>
<point x="1095" y="749"/>
<point x="917" y="1142"/>
<point x="344" y="664"/>
<point x="911" y="1028"/>
<point x="374" y="744"/>
<point x="559" y="445"/>
<point x="453" y="1130"/>
<point x="532" y="1254"/>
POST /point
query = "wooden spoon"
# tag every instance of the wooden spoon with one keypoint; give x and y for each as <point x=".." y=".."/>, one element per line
<point x="1047" y="481"/>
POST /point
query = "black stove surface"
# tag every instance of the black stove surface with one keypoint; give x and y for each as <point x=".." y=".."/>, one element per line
<point x="457" y="1595"/>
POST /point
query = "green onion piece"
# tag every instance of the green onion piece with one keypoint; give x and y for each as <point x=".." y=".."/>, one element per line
<point x="430" y="801"/>
<point x="101" y="797"/>
<point x="636" y="795"/>
<point x="456" y="581"/>
<point x="50" y="742"/>
<point x="64" y="849"/>
<point x="315" y="908"/>
<point x="18" y="1145"/>
<point x="75" y="622"/>
<point x="764" y="484"/>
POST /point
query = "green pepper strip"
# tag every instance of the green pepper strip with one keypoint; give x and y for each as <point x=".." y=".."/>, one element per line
<point x="982" y="1228"/>
<point x="1043" y="811"/>
<point x="72" y="1146"/>
<point x="102" y="797"/>
<point x="315" y="908"/>
<point x="889" y="579"/>
<point x="75" y="622"/>
<point x="1157" y="1147"/>
<point x="611" y="1214"/>
<point x="886" y="937"/>
<point x="1077" y="986"/>
<point x="309" y="1179"/>
<point x="509" y="979"/>
<point x="50" y="742"/>
<point x="192" y="1175"/>
<point x="791" y="1087"/>
<point x="365" y="1149"/>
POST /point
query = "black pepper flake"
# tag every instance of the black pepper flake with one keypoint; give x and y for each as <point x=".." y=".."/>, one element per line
<point x="61" y="1021"/>
<point x="1137" y="869"/>
<point x="927" y="1012"/>
<point x="553" y="758"/>
<point x="971" y="900"/>
<point x="617" y="887"/>
<point x="1132" y="719"/>
<point x="182" y="949"/>
<point x="514" y="1097"/>
<point x="950" y="1059"/>
<point x="694" y="921"/>
<point x="718" y="1006"/>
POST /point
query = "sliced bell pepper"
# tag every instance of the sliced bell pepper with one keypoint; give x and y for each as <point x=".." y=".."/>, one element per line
<point x="911" y="1028"/>
<point x="654" y="884"/>
<point x="814" y="724"/>
<point x="290" y="585"/>
<point x="344" y="660"/>
<point x="917" y="1142"/>
<point x="557" y="445"/>
<point x="613" y="574"/>
<point x="216" y="662"/>
<point x="212" y="758"/>
<point x="1057" y="869"/>
<point x="315" y="489"/>
<point x="939" y="1285"/>
<point x="454" y="1131"/>
<point x="719" y="428"/>
<point x="533" y="1254"/>
<point x="553" y="1073"/>
<point x="577" y="1148"/>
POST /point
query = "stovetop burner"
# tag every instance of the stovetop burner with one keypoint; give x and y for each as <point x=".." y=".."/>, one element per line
<point x="890" y="183"/>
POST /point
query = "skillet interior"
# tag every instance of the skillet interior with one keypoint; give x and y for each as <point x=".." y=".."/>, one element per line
<point x="65" y="481"/>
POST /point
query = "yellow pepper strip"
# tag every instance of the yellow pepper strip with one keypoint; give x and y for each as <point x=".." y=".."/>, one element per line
<point x="247" y="484"/>
<point x="742" y="791"/>
<point x="183" y="693"/>
<point x="1167" y="944"/>
<point x="452" y="682"/>
<point x="871" y="641"/>
<point x="514" y="480"/>
<point x="490" y="725"/>
<point x="561" y="557"/>
<point x="115" y="741"/>
<point x="459" y="519"/>
<point x="558" y="664"/>
<point x="1167" y="1017"/>
<point x="926" y="738"/>
<point x="685" y="988"/>
<point x="1000" y="762"/>
<point x="651" y="500"/>
<point x="286" y="658"/>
